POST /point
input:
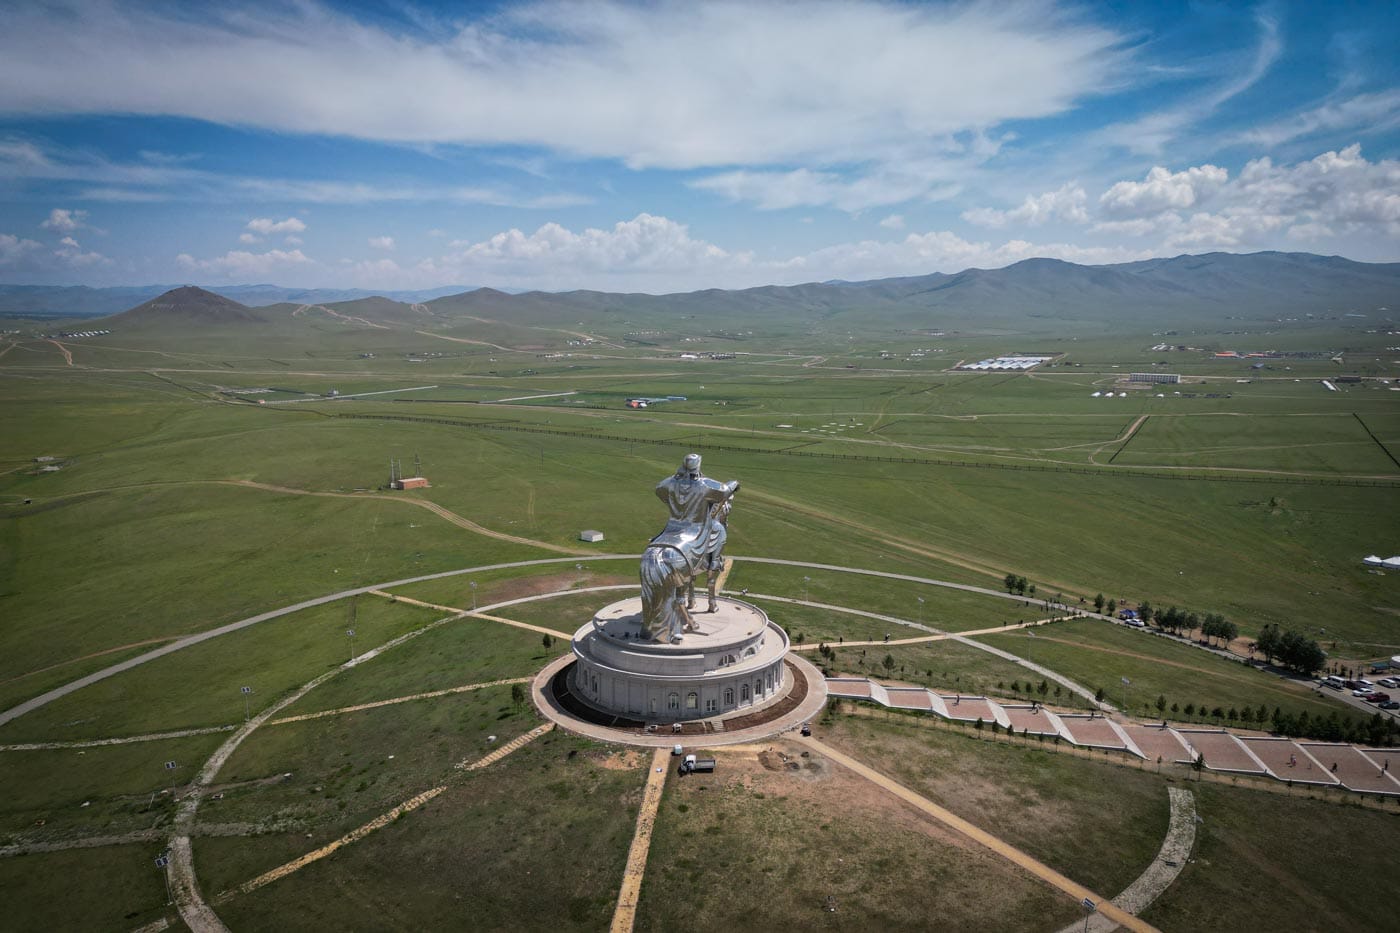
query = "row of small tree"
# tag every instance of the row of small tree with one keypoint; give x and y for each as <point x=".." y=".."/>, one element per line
<point x="1018" y="585"/>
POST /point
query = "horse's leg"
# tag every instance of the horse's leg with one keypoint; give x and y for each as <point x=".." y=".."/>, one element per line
<point x="712" y="584"/>
<point x="690" y="593"/>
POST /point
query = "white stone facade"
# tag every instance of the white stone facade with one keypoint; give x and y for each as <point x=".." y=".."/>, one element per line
<point x="733" y="662"/>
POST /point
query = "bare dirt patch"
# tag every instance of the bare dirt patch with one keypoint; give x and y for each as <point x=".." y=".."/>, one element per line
<point x="521" y="587"/>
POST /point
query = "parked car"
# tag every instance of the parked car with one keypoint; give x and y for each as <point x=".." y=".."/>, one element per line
<point x="1389" y="682"/>
<point x="1390" y="704"/>
<point x="1377" y="697"/>
<point x="1362" y="692"/>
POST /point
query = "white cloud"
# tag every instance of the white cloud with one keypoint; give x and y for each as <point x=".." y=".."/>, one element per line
<point x="13" y="248"/>
<point x="1163" y="190"/>
<point x="1066" y="204"/>
<point x="62" y="220"/>
<point x="293" y="241"/>
<point x="268" y="227"/>
<point x="249" y="238"/>
<point x="893" y="222"/>
<point x="878" y="186"/>
<point x="382" y="242"/>
<point x="1370" y="112"/>
<point x="240" y="263"/>
<point x="71" y="253"/>
<point x="685" y="85"/>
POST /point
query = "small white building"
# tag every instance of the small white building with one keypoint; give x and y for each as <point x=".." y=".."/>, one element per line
<point x="591" y="536"/>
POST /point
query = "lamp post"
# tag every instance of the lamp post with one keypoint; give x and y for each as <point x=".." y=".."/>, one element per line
<point x="472" y="584"/>
<point x="163" y="863"/>
<point x="1126" y="684"/>
<point x="806" y="589"/>
<point x="246" y="691"/>
<point x="350" y="634"/>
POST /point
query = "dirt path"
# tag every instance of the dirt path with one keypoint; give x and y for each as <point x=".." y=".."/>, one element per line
<point x="86" y="657"/>
<point x="1034" y="866"/>
<point x="433" y="507"/>
<point x="625" y="916"/>
<point x="379" y="822"/>
<point x="67" y="354"/>
<point x="1121" y="652"/>
<point x="123" y="740"/>
<point x="405" y="699"/>
<point x="472" y="613"/>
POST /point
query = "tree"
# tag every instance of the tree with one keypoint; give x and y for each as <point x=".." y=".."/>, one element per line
<point x="1098" y="695"/>
<point x="1112" y="606"/>
<point x="517" y="694"/>
<point x="1161" y="703"/>
<point x="548" y="641"/>
<point x="1043" y="689"/>
<point x="1145" y="612"/>
<point x="1269" y="643"/>
<point x="888" y="662"/>
<point x="1190" y="709"/>
<point x="1010" y="582"/>
<point x="1098" y="603"/>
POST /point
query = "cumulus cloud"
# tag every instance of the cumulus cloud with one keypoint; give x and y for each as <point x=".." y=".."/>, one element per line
<point x="249" y="238"/>
<point x="683" y="83"/>
<point x="1065" y="204"/>
<point x="269" y="227"/>
<point x="893" y="222"/>
<point x="292" y="241"/>
<point x="241" y="263"/>
<point x="1337" y="193"/>
<point x="13" y="248"/>
<point x="382" y="242"/>
<point x="1163" y="190"/>
<point x="74" y="255"/>
<point x="62" y="220"/>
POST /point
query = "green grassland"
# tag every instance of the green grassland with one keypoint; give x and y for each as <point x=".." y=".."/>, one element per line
<point x="1261" y="862"/>
<point x="111" y="888"/>
<point x="539" y="840"/>
<point x="1098" y="654"/>
<point x="766" y="845"/>
<point x="1257" y="503"/>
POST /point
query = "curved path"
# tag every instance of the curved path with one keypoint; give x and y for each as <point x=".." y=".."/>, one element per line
<point x="1157" y="877"/>
<point x="48" y="697"/>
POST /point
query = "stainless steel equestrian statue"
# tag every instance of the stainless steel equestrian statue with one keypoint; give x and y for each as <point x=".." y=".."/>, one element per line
<point x="691" y="543"/>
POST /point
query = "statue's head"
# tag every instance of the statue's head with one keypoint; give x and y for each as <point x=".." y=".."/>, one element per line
<point x="691" y="465"/>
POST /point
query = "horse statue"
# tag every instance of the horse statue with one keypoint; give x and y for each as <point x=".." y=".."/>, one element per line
<point x="691" y="543"/>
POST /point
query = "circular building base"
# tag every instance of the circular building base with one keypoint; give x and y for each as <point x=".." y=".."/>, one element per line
<point x="801" y="700"/>
<point x="731" y="662"/>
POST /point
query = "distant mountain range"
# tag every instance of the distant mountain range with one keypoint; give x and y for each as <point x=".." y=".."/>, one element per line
<point x="1208" y="287"/>
<point x="47" y="301"/>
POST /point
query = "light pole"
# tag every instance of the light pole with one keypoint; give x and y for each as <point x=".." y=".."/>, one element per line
<point x="1030" y="657"/>
<point x="350" y="634"/>
<point x="1126" y="684"/>
<point x="921" y="609"/>
<point x="163" y="863"/>
<point x="246" y="691"/>
<point x="472" y="584"/>
<point x="806" y="589"/>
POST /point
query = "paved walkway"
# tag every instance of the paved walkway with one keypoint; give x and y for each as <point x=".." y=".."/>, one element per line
<point x="625" y="915"/>
<point x="1036" y="867"/>
<point x="1158" y="876"/>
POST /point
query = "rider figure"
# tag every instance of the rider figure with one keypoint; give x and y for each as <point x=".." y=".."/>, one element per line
<point x="694" y="501"/>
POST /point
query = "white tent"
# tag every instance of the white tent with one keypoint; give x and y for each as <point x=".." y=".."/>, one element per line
<point x="1391" y="563"/>
<point x="1372" y="561"/>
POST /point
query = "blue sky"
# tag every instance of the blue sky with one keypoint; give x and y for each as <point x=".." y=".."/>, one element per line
<point x="669" y="146"/>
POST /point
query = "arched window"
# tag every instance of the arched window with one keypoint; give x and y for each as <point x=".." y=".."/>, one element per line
<point x="673" y="701"/>
<point x="595" y="685"/>
<point x="728" y="696"/>
<point x="743" y="693"/>
<point x="692" y="701"/>
<point x="653" y="704"/>
<point x="758" y="687"/>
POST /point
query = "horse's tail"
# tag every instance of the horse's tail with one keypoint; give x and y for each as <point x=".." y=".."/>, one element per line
<point x="654" y="568"/>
